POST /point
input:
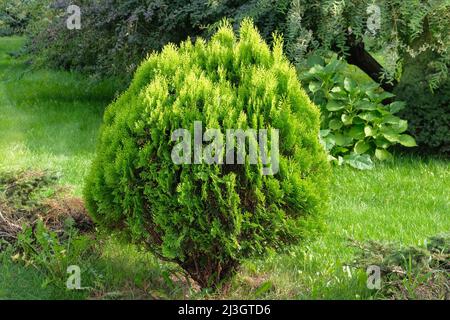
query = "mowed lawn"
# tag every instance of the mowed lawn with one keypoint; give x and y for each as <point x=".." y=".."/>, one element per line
<point x="50" y="120"/>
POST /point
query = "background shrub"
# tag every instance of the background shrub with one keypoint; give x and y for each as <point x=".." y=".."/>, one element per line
<point x="14" y="16"/>
<point x="356" y="125"/>
<point x="205" y="217"/>
<point x="117" y="34"/>
<point x="428" y="112"/>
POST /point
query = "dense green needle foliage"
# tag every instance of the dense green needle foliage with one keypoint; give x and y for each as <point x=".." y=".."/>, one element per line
<point x="209" y="217"/>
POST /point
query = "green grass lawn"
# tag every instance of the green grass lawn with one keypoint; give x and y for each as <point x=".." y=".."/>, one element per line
<point x="50" y="120"/>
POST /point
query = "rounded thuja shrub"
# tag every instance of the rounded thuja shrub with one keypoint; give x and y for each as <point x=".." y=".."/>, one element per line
<point x="208" y="213"/>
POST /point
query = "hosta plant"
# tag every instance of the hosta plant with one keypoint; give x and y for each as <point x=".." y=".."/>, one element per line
<point x="356" y="126"/>
<point x="209" y="217"/>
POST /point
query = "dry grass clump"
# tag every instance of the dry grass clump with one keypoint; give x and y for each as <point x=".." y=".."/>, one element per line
<point x="27" y="197"/>
<point x="414" y="272"/>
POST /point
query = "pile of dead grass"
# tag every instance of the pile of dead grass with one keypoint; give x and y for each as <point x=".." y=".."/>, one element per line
<point x="414" y="272"/>
<point x="27" y="197"/>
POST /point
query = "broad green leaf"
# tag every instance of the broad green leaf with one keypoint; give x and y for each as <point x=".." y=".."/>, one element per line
<point x="369" y="131"/>
<point x="397" y="106"/>
<point x="334" y="106"/>
<point x="307" y="77"/>
<point x="391" y="119"/>
<point x="331" y="158"/>
<point x="325" y="132"/>
<point x="391" y="137"/>
<point x="400" y="127"/>
<point x="358" y="161"/>
<point x="342" y="150"/>
<point x="382" y="154"/>
<point x="347" y="119"/>
<point x="369" y="116"/>
<point x="384" y="95"/>
<point x="371" y="94"/>
<point x="338" y="93"/>
<point x="358" y="120"/>
<point x="337" y="90"/>
<point x="381" y="142"/>
<point x="366" y="105"/>
<point x="329" y="142"/>
<point x="333" y="66"/>
<point x="342" y="140"/>
<point x="407" y="141"/>
<point x="317" y="69"/>
<point x="392" y="133"/>
<point x="349" y="84"/>
<point x="335" y="124"/>
<point x="384" y="128"/>
<point x="356" y="132"/>
<point x="314" y="86"/>
<point x="383" y="111"/>
<point x="314" y="60"/>
<point x="361" y="147"/>
<point x="370" y="86"/>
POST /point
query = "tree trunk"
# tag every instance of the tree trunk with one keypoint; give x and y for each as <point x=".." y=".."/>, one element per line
<point x="358" y="56"/>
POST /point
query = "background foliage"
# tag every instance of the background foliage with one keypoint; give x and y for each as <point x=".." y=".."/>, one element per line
<point x="133" y="28"/>
<point x="14" y="15"/>
<point x="116" y="35"/>
<point x="412" y="36"/>
<point x="356" y="125"/>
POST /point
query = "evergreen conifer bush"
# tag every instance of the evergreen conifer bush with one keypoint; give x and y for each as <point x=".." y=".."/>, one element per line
<point x="208" y="217"/>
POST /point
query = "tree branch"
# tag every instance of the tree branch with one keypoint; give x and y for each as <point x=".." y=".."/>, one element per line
<point x="358" y="56"/>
